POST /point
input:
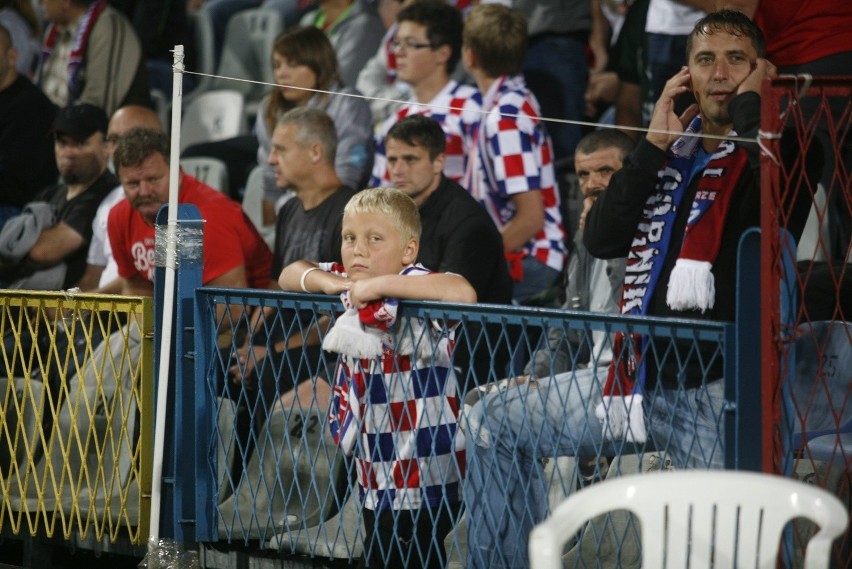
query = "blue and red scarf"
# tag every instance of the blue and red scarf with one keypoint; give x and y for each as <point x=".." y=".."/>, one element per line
<point x="691" y="283"/>
<point x="78" y="48"/>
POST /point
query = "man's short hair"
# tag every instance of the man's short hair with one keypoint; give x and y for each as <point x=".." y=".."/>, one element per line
<point x="443" y="25"/>
<point x="606" y="138"/>
<point x="392" y="203"/>
<point x="420" y="130"/>
<point x="497" y="36"/>
<point x="313" y="126"/>
<point x="137" y="145"/>
<point x="729" y="21"/>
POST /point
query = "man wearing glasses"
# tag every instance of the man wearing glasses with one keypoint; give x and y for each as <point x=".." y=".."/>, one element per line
<point x="427" y="48"/>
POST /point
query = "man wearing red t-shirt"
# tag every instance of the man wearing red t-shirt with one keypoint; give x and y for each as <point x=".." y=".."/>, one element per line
<point x="235" y="255"/>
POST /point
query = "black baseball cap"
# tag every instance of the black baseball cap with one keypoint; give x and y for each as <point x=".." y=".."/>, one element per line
<point x="80" y="121"/>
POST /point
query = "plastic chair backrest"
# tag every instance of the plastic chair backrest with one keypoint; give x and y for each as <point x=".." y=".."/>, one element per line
<point x="699" y="518"/>
<point x="819" y="398"/>
<point x="247" y="52"/>
<point x="205" y="50"/>
<point x="253" y="205"/>
<point x="210" y="171"/>
<point x="213" y="115"/>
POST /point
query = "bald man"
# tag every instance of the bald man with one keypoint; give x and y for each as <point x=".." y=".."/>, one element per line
<point x="101" y="271"/>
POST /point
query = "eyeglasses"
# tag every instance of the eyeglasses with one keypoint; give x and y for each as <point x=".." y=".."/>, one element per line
<point x="411" y="45"/>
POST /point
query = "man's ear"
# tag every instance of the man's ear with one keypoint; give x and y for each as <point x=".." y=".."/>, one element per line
<point x="316" y="153"/>
<point x="444" y="52"/>
<point x="438" y="163"/>
<point x="409" y="252"/>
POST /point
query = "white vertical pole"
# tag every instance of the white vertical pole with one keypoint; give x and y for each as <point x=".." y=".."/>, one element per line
<point x="168" y="296"/>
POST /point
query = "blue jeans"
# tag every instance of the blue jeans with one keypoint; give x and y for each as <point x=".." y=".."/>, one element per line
<point x="538" y="277"/>
<point x="556" y="71"/>
<point x="510" y="431"/>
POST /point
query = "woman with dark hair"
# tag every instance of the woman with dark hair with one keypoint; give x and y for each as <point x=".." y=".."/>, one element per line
<point x="306" y="70"/>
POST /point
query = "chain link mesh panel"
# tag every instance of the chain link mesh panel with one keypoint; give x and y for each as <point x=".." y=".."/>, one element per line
<point x="76" y="408"/>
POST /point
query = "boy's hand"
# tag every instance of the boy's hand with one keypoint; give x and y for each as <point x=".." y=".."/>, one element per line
<point x="365" y="291"/>
<point x="762" y="69"/>
<point x="664" y="117"/>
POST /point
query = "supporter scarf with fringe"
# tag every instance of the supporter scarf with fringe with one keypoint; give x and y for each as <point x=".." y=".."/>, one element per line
<point x="361" y="333"/>
<point x="78" y="48"/>
<point x="691" y="284"/>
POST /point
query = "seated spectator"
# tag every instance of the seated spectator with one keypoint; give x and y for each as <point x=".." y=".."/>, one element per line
<point x="427" y="48"/>
<point x="379" y="78"/>
<point x="101" y="274"/>
<point x="355" y="30"/>
<point x="27" y="162"/>
<point x="234" y="253"/>
<point x="510" y="167"/>
<point x="91" y="54"/>
<point x="45" y="247"/>
<point x="457" y="236"/>
<point x="303" y="60"/>
<point x="308" y="227"/>
<point x="21" y="22"/>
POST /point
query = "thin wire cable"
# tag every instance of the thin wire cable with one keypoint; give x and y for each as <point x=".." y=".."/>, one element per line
<point x="512" y="115"/>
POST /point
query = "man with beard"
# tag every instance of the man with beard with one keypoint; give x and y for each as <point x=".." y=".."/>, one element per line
<point x="235" y="255"/>
<point x="58" y="222"/>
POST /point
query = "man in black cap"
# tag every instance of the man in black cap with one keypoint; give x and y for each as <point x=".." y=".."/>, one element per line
<point x="45" y="247"/>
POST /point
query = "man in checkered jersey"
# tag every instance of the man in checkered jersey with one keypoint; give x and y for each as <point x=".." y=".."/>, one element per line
<point x="427" y="49"/>
<point x="510" y="166"/>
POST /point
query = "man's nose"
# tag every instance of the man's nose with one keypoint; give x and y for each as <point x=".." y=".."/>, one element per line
<point x="721" y="70"/>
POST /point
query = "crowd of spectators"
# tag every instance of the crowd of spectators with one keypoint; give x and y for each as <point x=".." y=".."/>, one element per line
<point x="459" y="120"/>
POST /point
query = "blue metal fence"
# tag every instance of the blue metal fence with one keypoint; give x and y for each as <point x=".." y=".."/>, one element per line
<point x="266" y="474"/>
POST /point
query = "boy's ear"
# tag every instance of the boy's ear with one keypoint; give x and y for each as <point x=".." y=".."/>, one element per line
<point x="409" y="252"/>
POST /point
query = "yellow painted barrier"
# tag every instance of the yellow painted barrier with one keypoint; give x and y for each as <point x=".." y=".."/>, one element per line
<point x="76" y="412"/>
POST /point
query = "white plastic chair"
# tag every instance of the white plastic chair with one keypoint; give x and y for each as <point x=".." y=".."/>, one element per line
<point x="213" y="115"/>
<point x="817" y="397"/>
<point x="210" y="171"/>
<point x="699" y="518"/>
<point x="253" y="205"/>
<point x="205" y="57"/>
<point x="247" y="52"/>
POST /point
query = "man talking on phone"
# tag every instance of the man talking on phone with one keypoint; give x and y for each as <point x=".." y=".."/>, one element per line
<point x="677" y="210"/>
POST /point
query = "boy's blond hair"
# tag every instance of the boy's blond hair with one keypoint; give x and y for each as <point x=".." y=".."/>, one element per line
<point x="497" y="37"/>
<point x="392" y="203"/>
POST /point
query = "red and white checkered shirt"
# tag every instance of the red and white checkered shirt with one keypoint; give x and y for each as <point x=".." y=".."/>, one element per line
<point x="398" y="414"/>
<point x="511" y="153"/>
<point x="454" y="107"/>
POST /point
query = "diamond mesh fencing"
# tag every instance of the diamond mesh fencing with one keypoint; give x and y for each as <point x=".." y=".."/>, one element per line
<point x="444" y="450"/>
<point x="75" y="410"/>
<point x="807" y="298"/>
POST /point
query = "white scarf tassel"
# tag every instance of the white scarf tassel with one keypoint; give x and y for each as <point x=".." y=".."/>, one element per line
<point x="691" y="286"/>
<point x="349" y="337"/>
<point x="622" y="417"/>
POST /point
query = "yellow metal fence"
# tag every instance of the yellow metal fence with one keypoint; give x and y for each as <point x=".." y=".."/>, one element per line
<point x="76" y="405"/>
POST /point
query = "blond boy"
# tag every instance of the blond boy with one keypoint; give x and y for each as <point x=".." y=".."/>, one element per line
<point x="395" y="402"/>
